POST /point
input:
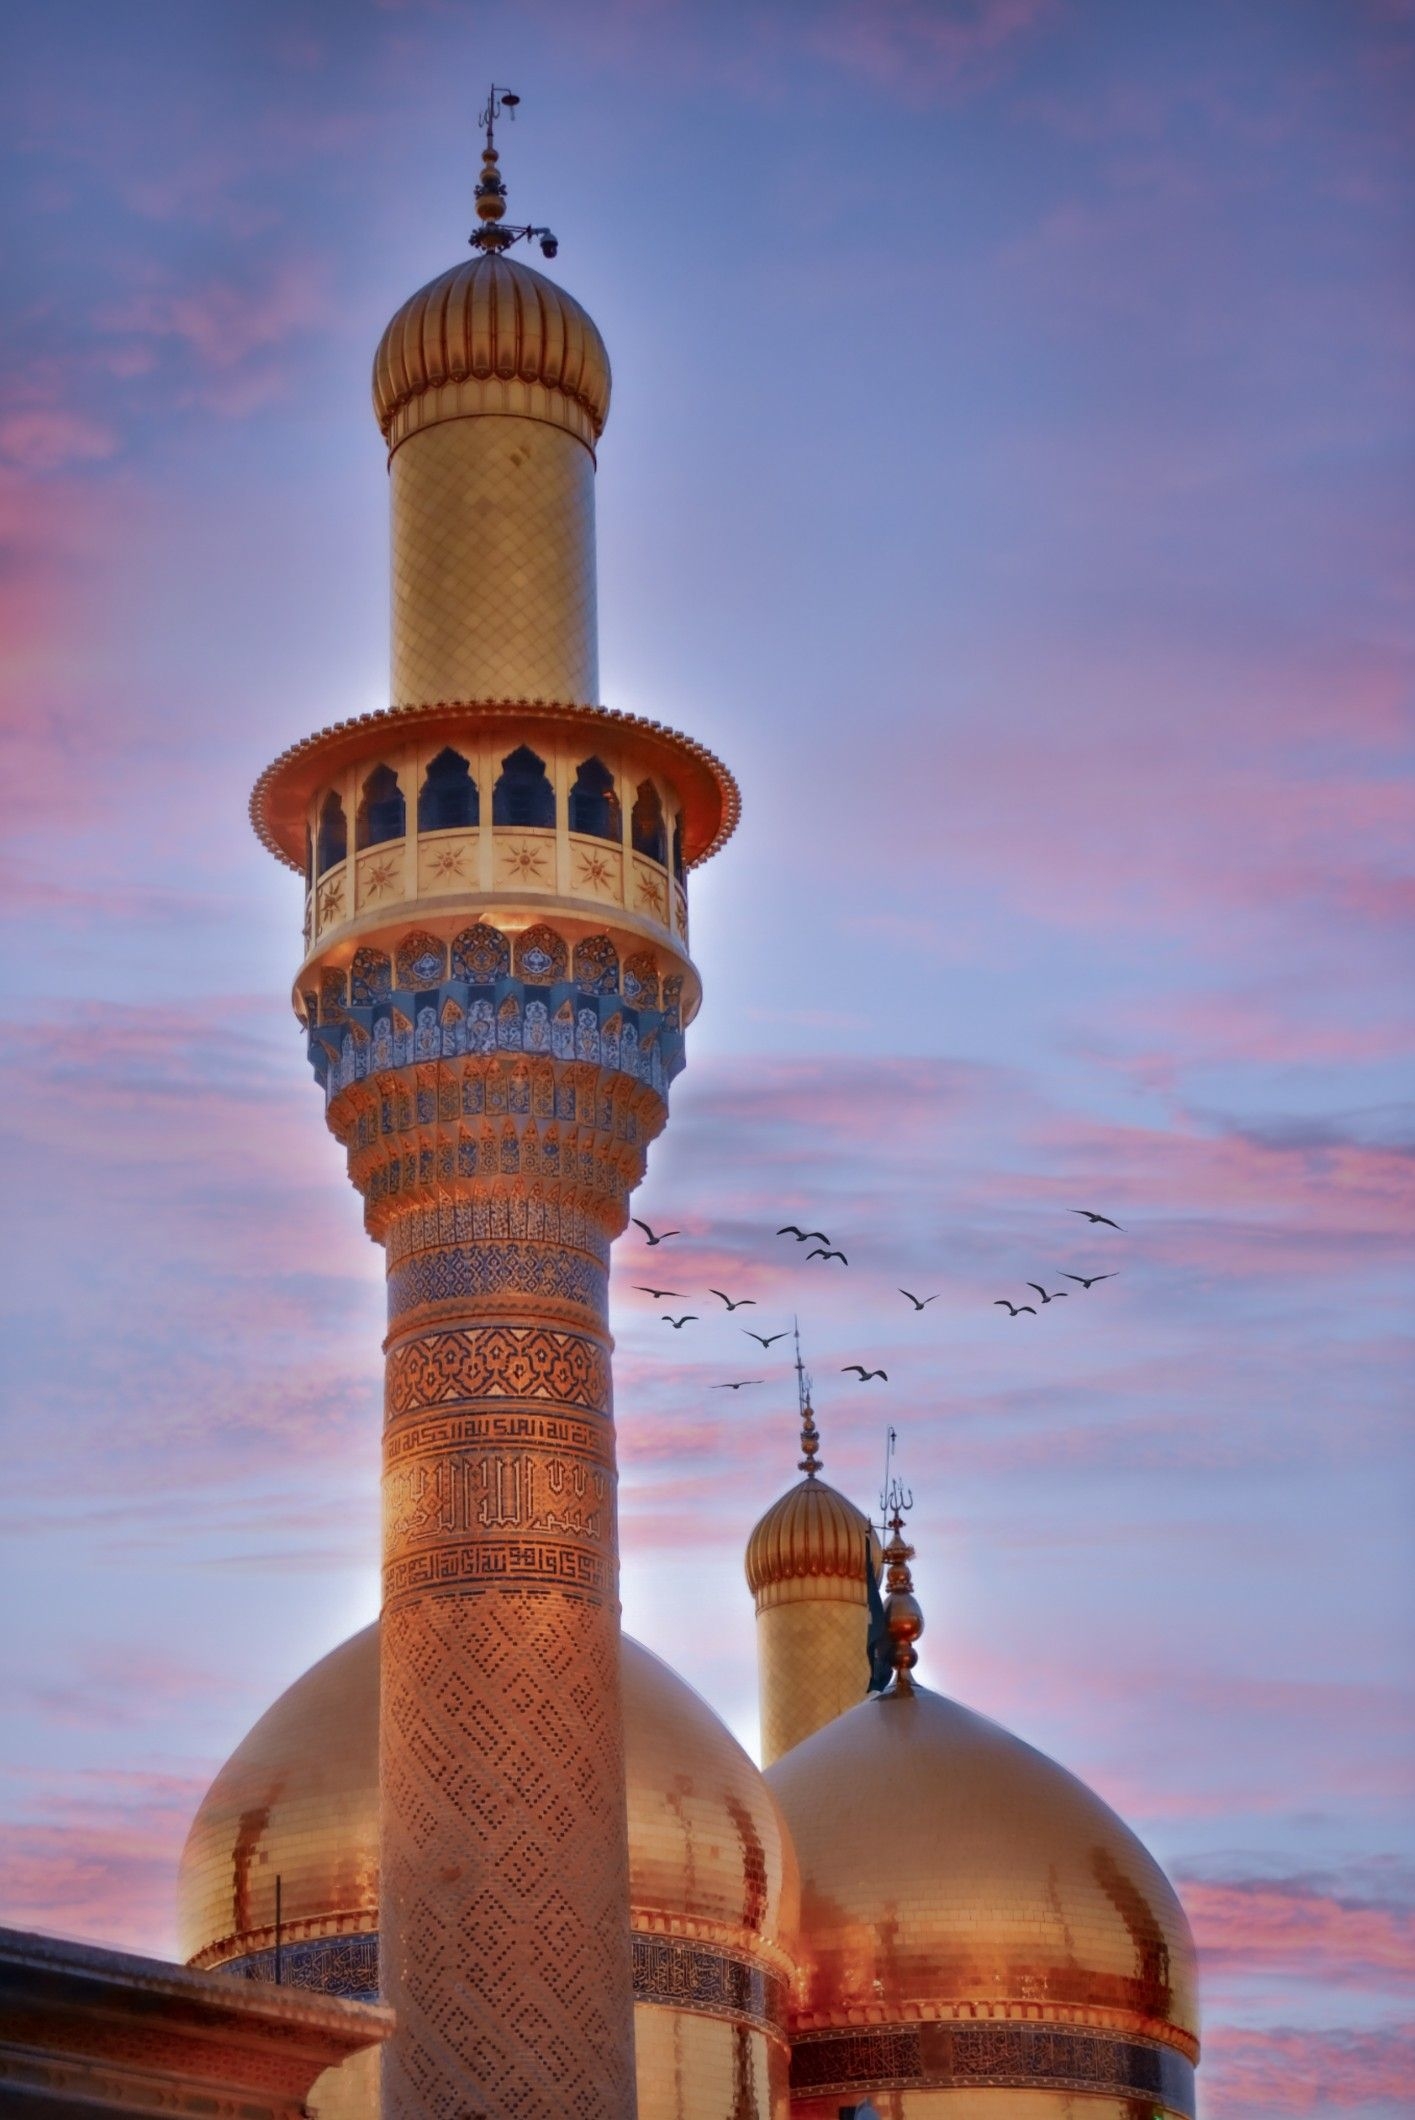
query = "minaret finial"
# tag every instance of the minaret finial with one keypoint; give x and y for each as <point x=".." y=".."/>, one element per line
<point x="810" y="1434"/>
<point x="492" y="234"/>
<point x="903" y="1615"/>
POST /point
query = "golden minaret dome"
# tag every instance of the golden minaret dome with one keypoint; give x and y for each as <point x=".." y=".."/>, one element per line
<point x="973" y="1915"/>
<point x="713" y="1889"/>
<point x="805" y="1565"/>
<point x="495" y="336"/>
<point x="810" y="1534"/>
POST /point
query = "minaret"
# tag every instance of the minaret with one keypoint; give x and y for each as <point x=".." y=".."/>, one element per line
<point x="495" y="982"/>
<point x="806" y="1571"/>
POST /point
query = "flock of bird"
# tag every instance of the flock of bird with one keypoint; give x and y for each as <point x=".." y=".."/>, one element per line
<point x="826" y="1250"/>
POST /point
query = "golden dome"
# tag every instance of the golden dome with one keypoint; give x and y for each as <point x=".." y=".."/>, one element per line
<point x="950" y="1872"/>
<point x="497" y="322"/>
<point x="810" y="1539"/>
<point x="709" y="1860"/>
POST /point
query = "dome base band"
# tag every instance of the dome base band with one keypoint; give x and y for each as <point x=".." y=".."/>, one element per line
<point x="992" y="2056"/>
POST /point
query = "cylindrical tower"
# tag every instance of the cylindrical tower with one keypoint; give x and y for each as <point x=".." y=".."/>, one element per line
<point x="495" y="983"/>
<point x="806" y="1572"/>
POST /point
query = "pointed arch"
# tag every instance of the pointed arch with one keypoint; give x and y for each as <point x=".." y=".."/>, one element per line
<point x="594" y="802"/>
<point x="541" y="956"/>
<point x="646" y="824"/>
<point x="332" y="844"/>
<point x="480" y="955"/>
<point x="448" y="796"/>
<point x="382" y="813"/>
<point x="523" y="794"/>
<point x="421" y="959"/>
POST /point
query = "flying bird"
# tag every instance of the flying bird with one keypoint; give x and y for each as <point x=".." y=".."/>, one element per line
<point x="1014" y="1309"/>
<point x="662" y="1236"/>
<point x="919" y="1302"/>
<point x="742" y="1302"/>
<point x="858" y="1369"/>
<point x="740" y="1385"/>
<point x="1043" y="1294"/>
<point x="1083" y="1280"/>
<point x="802" y="1235"/>
<point x="1096" y="1218"/>
<point x="819" y="1254"/>
<point x="660" y="1295"/>
<point x="689" y="1317"/>
<point x="763" y="1339"/>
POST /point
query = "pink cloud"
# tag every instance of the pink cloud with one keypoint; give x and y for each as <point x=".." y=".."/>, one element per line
<point x="1257" y="1927"/>
<point x="96" y="1856"/>
<point x="45" y="438"/>
<point x="1250" y="2073"/>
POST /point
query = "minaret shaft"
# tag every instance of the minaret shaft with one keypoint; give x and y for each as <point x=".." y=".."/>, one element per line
<point x="493" y="563"/>
<point x="495" y="984"/>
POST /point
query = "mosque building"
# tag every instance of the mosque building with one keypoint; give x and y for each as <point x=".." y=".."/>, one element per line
<point x="555" y="1882"/>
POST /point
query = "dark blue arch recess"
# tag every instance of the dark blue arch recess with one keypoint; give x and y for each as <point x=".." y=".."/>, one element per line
<point x="333" y="838"/>
<point x="646" y="824"/>
<point x="382" y="812"/>
<point x="594" y="802"/>
<point x="448" y="797"/>
<point x="523" y="795"/>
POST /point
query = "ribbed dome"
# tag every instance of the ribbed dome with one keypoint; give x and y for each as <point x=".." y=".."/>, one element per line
<point x="492" y="320"/>
<point x="810" y="1533"/>
<point x="950" y="1872"/>
<point x="708" y="1856"/>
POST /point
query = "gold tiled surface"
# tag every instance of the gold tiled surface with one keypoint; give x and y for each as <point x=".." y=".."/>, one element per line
<point x="709" y="1861"/>
<point x="298" y="1798"/>
<point x="708" y="1855"/>
<point x="493" y="564"/>
<point x="985" y="1879"/>
<point x="491" y="322"/>
<point x="698" y="2068"/>
<point x="811" y="1667"/>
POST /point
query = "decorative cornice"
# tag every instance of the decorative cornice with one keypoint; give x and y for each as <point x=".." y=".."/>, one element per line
<point x="709" y="821"/>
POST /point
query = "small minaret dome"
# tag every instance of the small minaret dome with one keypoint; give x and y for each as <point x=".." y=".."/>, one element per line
<point x="491" y="335"/>
<point x="805" y="1565"/>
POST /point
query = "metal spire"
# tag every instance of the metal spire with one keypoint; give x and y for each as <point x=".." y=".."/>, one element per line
<point x="810" y="1434"/>
<point x="494" y="233"/>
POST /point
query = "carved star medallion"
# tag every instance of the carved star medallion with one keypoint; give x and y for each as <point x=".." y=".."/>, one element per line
<point x="526" y="862"/>
<point x="594" y="871"/>
<point x="447" y="862"/>
<point x="378" y="878"/>
<point x="650" y="896"/>
<point x="331" y="902"/>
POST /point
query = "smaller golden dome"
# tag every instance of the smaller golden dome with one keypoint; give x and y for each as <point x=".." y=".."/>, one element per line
<point x="810" y="1536"/>
<point x="494" y="321"/>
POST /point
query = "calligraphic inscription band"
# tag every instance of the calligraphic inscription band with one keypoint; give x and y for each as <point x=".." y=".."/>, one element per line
<point x="504" y="1857"/>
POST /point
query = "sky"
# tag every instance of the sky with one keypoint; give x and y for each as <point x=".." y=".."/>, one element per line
<point x="1009" y="475"/>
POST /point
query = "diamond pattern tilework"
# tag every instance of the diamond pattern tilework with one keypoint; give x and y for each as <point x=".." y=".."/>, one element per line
<point x="493" y="564"/>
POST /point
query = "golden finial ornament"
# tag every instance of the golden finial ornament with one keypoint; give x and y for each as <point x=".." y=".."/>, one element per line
<point x="810" y="1460"/>
<point x="491" y="187"/>
<point x="903" y="1614"/>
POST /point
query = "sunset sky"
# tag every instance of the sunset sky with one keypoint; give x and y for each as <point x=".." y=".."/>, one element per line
<point x="1009" y="474"/>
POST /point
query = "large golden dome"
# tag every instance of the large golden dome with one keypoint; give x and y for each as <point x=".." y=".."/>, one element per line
<point x="951" y="1874"/>
<point x="713" y="1887"/>
<point x="494" y="322"/>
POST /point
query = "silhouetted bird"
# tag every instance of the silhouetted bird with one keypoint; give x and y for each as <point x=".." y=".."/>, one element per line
<point x="1093" y="1279"/>
<point x="802" y="1235"/>
<point x="740" y="1385"/>
<point x="919" y="1302"/>
<point x="663" y="1235"/>
<point x="1043" y="1294"/>
<point x="689" y="1317"/>
<point x="818" y="1254"/>
<point x="1095" y="1218"/>
<point x="763" y="1339"/>
<point x="660" y="1295"/>
<point x="1014" y="1309"/>
<point x="858" y="1369"/>
<point x="742" y="1302"/>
